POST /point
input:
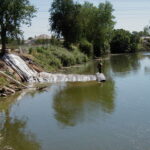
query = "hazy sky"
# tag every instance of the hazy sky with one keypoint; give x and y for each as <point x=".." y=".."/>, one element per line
<point x="132" y="15"/>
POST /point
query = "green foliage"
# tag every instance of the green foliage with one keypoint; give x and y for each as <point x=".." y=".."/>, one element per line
<point x="3" y="81"/>
<point x="54" y="57"/>
<point x="146" y="31"/>
<point x="55" y="41"/>
<point x="145" y="44"/>
<point x="45" y="58"/>
<point x="75" y="22"/>
<point x="86" y="20"/>
<point x="79" y="56"/>
<point x="63" y="19"/>
<point x="86" y="47"/>
<point x="65" y="57"/>
<point x="104" y="28"/>
<point x="42" y="41"/>
<point x="134" y="41"/>
<point x="30" y="38"/>
<point x="13" y="13"/>
<point x="124" y="41"/>
<point x="121" y="41"/>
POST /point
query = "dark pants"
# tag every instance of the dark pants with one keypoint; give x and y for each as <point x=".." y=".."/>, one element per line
<point x="100" y="69"/>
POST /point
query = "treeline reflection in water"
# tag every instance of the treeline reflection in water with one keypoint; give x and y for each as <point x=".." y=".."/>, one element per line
<point x="73" y="103"/>
<point x="77" y="101"/>
<point x="12" y="130"/>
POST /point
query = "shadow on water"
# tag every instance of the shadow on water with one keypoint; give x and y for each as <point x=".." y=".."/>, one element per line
<point x="12" y="134"/>
<point x="78" y="101"/>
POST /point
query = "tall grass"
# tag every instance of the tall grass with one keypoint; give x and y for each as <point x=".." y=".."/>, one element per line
<point x="53" y="57"/>
<point x="3" y="81"/>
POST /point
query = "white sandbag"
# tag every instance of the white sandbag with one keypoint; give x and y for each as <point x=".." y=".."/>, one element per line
<point x="100" y="77"/>
<point x="30" y="75"/>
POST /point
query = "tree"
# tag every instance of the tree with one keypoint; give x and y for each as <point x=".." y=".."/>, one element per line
<point x="14" y="13"/>
<point x="134" y="41"/>
<point x="96" y="25"/>
<point x="85" y="22"/>
<point x="86" y="47"/>
<point x="121" y="41"/>
<point x="63" y="20"/>
<point x="103" y="28"/>
<point x="146" y="30"/>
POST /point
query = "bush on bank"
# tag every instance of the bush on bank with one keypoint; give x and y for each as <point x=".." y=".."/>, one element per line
<point x="86" y="47"/>
<point x="54" y="57"/>
<point x="124" y="42"/>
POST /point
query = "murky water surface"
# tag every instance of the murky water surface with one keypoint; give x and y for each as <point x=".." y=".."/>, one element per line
<point x="114" y="115"/>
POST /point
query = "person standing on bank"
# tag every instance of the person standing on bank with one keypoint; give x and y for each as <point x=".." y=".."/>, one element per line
<point x="99" y="66"/>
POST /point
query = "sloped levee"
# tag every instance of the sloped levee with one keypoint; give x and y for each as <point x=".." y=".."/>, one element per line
<point x="31" y="76"/>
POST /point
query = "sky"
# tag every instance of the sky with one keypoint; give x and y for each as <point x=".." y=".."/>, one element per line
<point x="132" y="15"/>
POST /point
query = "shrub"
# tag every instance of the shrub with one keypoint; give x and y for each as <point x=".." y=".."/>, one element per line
<point x="66" y="57"/>
<point x="3" y="81"/>
<point x="54" y="57"/>
<point x="30" y="50"/>
<point x="55" y="41"/>
<point x="123" y="41"/>
<point x="45" y="58"/>
<point x="86" y="47"/>
<point x="79" y="57"/>
<point x="42" y="41"/>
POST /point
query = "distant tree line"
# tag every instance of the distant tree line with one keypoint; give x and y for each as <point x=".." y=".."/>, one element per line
<point x="92" y="28"/>
<point x="123" y="41"/>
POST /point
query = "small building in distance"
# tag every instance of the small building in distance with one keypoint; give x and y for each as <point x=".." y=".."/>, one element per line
<point x="145" y="37"/>
<point x="42" y="36"/>
<point x="32" y="40"/>
<point x="146" y="42"/>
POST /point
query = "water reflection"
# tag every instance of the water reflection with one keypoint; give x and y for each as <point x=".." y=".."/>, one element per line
<point x="120" y="65"/>
<point x="12" y="134"/>
<point x="89" y="68"/>
<point x="78" y="102"/>
<point x="147" y="70"/>
<point x="123" y="64"/>
<point x="97" y="113"/>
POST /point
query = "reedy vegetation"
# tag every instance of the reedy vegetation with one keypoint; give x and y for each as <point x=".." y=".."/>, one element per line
<point x="55" y="57"/>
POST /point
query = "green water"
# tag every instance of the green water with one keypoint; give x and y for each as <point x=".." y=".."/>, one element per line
<point x="84" y="116"/>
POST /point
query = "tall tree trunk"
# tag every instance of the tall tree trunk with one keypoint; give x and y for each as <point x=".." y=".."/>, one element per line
<point x="3" y="39"/>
